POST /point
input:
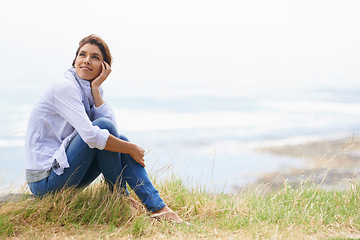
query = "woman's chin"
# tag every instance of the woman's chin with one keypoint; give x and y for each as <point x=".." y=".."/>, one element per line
<point x="86" y="76"/>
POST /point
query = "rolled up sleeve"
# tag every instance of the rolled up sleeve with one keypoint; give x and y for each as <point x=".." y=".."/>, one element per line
<point x="96" y="138"/>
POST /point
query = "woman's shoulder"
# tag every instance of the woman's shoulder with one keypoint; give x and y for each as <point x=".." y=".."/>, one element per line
<point x="62" y="88"/>
<point x="64" y="82"/>
<point x="63" y="85"/>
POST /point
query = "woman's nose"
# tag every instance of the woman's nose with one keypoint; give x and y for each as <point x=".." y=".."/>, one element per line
<point x="87" y="59"/>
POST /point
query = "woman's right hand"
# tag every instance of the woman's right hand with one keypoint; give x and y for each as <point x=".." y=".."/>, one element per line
<point x="95" y="84"/>
<point x="105" y="72"/>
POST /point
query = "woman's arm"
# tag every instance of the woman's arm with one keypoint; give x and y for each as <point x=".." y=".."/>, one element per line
<point x="96" y="83"/>
<point x="115" y="144"/>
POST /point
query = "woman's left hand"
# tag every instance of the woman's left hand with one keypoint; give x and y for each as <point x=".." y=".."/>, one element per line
<point x="138" y="153"/>
<point x="106" y="70"/>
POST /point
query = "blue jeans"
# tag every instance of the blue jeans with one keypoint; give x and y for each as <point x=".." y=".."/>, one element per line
<point x="86" y="164"/>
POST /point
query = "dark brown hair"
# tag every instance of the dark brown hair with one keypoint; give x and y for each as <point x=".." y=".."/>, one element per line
<point x="96" y="40"/>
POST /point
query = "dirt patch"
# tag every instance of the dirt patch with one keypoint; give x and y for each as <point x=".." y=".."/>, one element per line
<point x="15" y="197"/>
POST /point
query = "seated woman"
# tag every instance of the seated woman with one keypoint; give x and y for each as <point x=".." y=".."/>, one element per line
<point x="72" y="136"/>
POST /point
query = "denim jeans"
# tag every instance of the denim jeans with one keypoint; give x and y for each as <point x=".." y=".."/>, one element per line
<point x="86" y="164"/>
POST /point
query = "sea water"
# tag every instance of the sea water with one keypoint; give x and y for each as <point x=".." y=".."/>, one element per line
<point x="206" y="140"/>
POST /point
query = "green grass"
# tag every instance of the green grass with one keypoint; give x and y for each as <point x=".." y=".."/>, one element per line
<point x="291" y="213"/>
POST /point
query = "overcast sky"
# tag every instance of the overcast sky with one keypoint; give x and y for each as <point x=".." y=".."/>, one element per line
<point x="194" y="47"/>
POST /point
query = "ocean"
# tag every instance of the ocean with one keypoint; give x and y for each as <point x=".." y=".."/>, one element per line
<point x="207" y="140"/>
<point x="197" y="84"/>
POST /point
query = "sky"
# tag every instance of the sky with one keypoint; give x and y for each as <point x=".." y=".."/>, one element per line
<point x="225" y="48"/>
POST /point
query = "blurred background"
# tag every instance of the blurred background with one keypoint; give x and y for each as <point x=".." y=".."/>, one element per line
<point x="199" y="84"/>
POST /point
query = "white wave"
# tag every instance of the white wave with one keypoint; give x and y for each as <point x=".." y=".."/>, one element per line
<point x="136" y="120"/>
<point x="11" y="143"/>
<point x="314" y="106"/>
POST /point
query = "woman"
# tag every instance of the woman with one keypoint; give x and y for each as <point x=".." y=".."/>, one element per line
<point x="72" y="137"/>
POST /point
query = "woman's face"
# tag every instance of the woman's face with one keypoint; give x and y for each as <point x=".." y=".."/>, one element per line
<point x="88" y="63"/>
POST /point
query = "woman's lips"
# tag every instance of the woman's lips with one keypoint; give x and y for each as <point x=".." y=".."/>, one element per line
<point x="86" y="68"/>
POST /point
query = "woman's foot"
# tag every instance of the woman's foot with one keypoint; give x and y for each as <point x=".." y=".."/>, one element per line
<point x="166" y="214"/>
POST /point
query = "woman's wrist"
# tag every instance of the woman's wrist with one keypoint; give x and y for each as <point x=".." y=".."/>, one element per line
<point x="94" y="85"/>
<point x="95" y="91"/>
<point x="133" y="148"/>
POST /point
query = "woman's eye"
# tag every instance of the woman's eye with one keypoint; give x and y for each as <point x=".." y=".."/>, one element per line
<point x="82" y="54"/>
<point x="96" y="57"/>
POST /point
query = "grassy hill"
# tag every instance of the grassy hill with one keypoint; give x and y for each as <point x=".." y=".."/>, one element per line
<point x="304" y="212"/>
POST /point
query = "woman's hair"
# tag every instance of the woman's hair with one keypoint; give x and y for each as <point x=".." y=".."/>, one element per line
<point x="96" y="40"/>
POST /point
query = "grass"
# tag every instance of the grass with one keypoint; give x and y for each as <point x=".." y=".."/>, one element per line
<point x="305" y="212"/>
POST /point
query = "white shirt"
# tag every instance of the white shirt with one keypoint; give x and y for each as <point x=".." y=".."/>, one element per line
<point x="56" y="119"/>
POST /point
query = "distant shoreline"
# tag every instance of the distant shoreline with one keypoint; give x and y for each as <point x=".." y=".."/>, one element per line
<point x="330" y="164"/>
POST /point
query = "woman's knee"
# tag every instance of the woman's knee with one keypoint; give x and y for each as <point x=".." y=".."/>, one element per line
<point x="122" y="137"/>
<point x="105" y="123"/>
